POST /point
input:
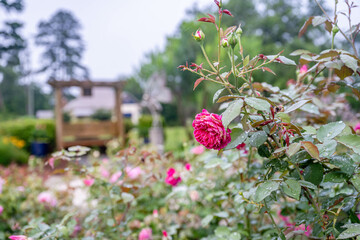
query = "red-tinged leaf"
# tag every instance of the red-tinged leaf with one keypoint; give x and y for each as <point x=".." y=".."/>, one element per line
<point x="197" y="82"/>
<point x="227" y="12"/>
<point x="356" y="92"/>
<point x="328" y="26"/>
<point x="225" y="98"/>
<point x="343" y="72"/>
<point x="273" y="129"/>
<point x="327" y="54"/>
<point x="229" y="30"/>
<point x="217" y="3"/>
<point x="304" y="27"/>
<point x="210" y="19"/>
<point x="311" y="149"/>
<point x="268" y="70"/>
<point x="258" y="123"/>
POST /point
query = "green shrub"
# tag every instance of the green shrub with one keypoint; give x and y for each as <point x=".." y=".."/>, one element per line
<point x="25" y="128"/>
<point x="10" y="153"/>
<point x="101" y="115"/>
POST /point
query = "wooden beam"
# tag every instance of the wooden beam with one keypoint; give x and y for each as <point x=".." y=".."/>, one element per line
<point x="119" y="117"/>
<point x="58" y="118"/>
<point x="85" y="83"/>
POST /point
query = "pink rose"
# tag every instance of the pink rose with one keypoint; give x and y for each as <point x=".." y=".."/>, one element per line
<point x="104" y="172"/>
<point x="155" y="213"/>
<point x="357" y="127"/>
<point x="145" y="234"/>
<point x="242" y="147"/>
<point x="1" y="209"/>
<point x="18" y="237"/>
<point x="198" y="150"/>
<point x="2" y="181"/>
<point x="47" y="198"/>
<point x="209" y="130"/>
<point x="303" y="69"/>
<point x="115" y="177"/>
<point x="51" y="162"/>
<point x="194" y="195"/>
<point x="171" y="178"/>
<point x="165" y="234"/>
<point x="89" y="181"/>
<point x="133" y="172"/>
<point x="188" y="166"/>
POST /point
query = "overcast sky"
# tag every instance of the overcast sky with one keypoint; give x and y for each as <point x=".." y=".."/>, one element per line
<point x="117" y="33"/>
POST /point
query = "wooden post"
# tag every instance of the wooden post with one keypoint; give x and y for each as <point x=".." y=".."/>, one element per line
<point x="58" y="118"/>
<point x="119" y="117"/>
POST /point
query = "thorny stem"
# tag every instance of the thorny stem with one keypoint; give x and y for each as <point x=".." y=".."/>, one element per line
<point x="219" y="37"/>
<point x="272" y="219"/>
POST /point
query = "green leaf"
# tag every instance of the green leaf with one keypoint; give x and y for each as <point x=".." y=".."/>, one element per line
<point x="327" y="149"/>
<point x="246" y="60"/>
<point x="222" y="214"/>
<point x="311" y="149"/>
<point x="344" y="72"/>
<point x="309" y="130"/>
<point x="295" y="106"/>
<point x="345" y="163"/>
<point x="349" y="61"/>
<point x="258" y="138"/>
<point x="292" y="188"/>
<point x="299" y="52"/>
<point x="263" y="151"/>
<point x="217" y="94"/>
<point x="232" y="112"/>
<point x="307" y="184"/>
<point x="351" y="141"/>
<point x="300" y="156"/>
<point x="235" y="236"/>
<point x="284" y="117"/>
<point x="238" y="136"/>
<point x="127" y="197"/>
<point x="330" y="130"/>
<point x="310" y="108"/>
<point x="335" y="177"/>
<point x="293" y="148"/>
<point x="222" y="231"/>
<point x="352" y="231"/>
<point x="258" y="104"/>
<point x="283" y="59"/>
<point x="314" y="173"/>
<point x="355" y="180"/>
<point x="206" y="220"/>
<point x="214" y="162"/>
<point x="317" y="20"/>
<point x="265" y="189"/>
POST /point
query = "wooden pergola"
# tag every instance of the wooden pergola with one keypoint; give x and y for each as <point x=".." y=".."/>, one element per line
<point x="87" y="134"/>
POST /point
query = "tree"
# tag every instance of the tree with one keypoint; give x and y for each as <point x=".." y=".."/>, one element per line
<point x="63" y="46"/>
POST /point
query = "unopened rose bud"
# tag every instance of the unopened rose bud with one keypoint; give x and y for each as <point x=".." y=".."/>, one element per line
<point x="225" y="42"/>
<point x="199" y="35"/>
<point x="239" y="31"/>
<point x="232" y="40"/>
<point x="335" y="30"/>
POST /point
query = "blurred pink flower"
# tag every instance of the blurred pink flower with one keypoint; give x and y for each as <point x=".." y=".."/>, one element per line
<point x="209" y="130"/>
<point x="291" y="226"/>
<point x="20" y="188"/>
<point x="89" y="181"/>
<point x="51" y="162"/>
<point x="18" y="237"/>
<point x="133" y="172"/>
<point x="1" y="209"/>
<point x="198" y="150"/>
<point x="172" y="178"/>
<point x="47" y="198"/>
<point x="188" y="166"/>
<point x="155" y="213"/>
<point x="104" y="172"/>
<point x="242" y="147"/>
<point x="165" y="234"/>
<point x="194" y="195"/>
<point x="145" y="234"/>
<point x="303" y="69"/>
<point x="115" y="177"/>
<point x="357" y="127"/>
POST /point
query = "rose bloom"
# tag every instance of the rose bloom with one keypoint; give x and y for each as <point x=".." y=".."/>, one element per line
<point x="145" y="234"/>
<point x="1" y="209"/>
<point x="19" y="237"/>
<point x="115" y="177"/>
<point x="133" y="172"/>
<point x="303" y="69"/>
<point x="89" y="181"/>
<point x="198" y="150"/>
<point x="242" y="147"/>
<point x="357" y="127"/>
<point x="47" y="198"/>
<point x="209" y="130"/>
<point x="171" y="178"/>
<point x="188" y="166"/>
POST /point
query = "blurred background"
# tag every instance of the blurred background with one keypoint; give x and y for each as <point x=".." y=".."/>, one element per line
<point x="139" y="42"/>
